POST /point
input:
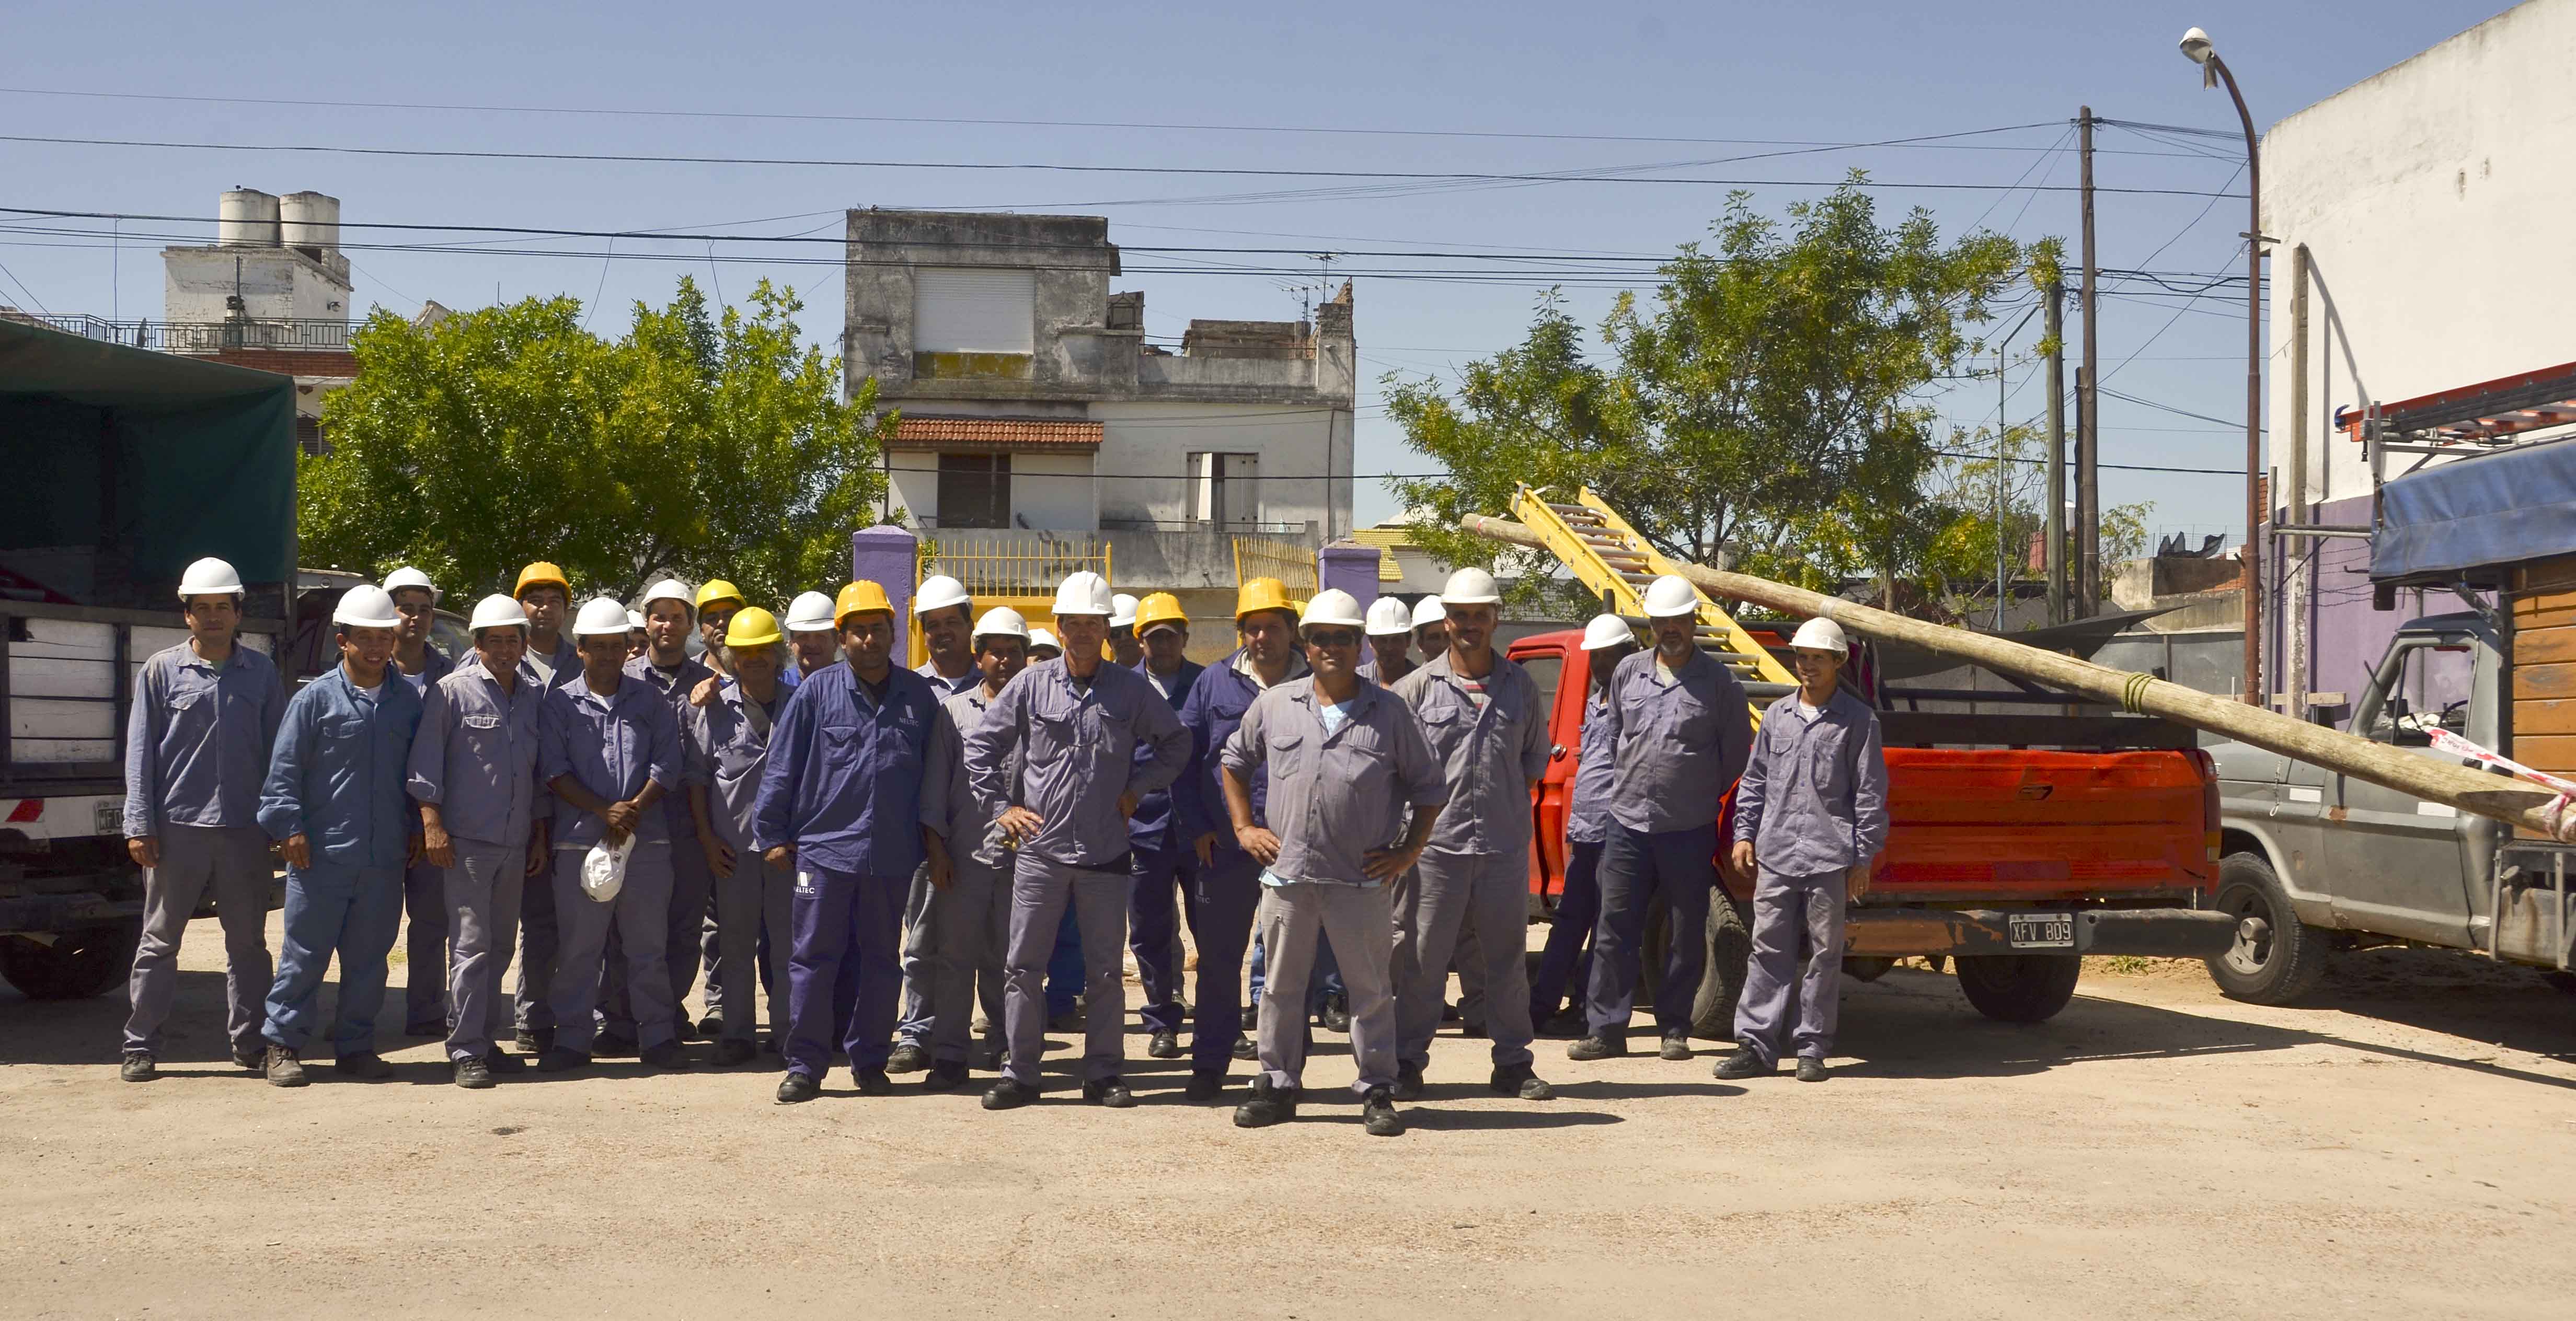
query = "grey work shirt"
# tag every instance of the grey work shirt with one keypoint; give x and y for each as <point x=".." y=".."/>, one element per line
<point x="675" y="685"/>
<point x="553" y="667"/>
<point x="610" y="746"/>
<point x="727" y="750"/>
<point x="1678" y="746"/>
<point x="1489" y="756"/>
<point x="434" y="666"/>
<point x="949" y="805"/>
<point x="198" y="738"/>
<point x="1333" y="798"/>
<point x="1587" y="813"/>
<point x="476" y="755"/>
<point x="1814" y="798"/>
<point x="943" y="687"/>
<point x="1078" y="755"/>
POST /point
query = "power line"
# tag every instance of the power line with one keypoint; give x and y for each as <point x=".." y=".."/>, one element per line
<point x="1604" y="174"/>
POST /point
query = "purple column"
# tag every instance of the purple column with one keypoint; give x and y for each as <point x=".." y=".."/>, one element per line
<point x="888" y="557"/>
<point x="1351" y="567"/>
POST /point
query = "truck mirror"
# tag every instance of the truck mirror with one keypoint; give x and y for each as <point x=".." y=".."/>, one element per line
<point x="2410" y="737"/>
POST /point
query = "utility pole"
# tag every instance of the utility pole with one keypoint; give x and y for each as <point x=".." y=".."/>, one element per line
<point x="2088" y="409"/>
<point x="2002" y="461"/>
<point x="2053" y="552"/>
<point x="2294" y="592"/>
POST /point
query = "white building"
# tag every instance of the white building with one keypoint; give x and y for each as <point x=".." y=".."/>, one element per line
<point x="2432" y="204"/>
<point x="1035" y="411"/>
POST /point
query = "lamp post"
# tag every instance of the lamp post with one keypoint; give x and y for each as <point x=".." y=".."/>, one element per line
<point x="2213" y="71"/>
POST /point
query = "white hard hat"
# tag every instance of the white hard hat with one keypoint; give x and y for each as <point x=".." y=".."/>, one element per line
<point x="1122" y="611"/>
<point x="1429" y="610"/>
<point x="600" y="615"/>
<point x="1001" y="622"/>
<point x="634" y="619"/>
<point x="1084" y="593"/>
<point x="1039" y="637"/>
<point x="1332" y="606"/>
<point x="1823" y="635"/>
<point x="938" y="592"/>
<point x="603" y="869"/>
<point x="1470" y="586"/>
<point x="810" y="612"/>
<point x="1671" y="595"/>
<point x="669" y="589"/>
<point x="366" y="606"/>
<point x="496" y="611"/>
<point x="209" y="577"/>
<point x="1607" y="631"/>
<point x="407" y="576"/>
<point x="1388" y="617"/>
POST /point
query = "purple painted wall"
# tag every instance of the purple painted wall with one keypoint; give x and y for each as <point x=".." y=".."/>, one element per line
<point x="888" y="557"/>
<point x="1350" y="567"/>
<point x="2347" y="637"/>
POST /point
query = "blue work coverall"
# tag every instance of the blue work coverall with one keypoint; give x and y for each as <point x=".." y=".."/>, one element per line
<point x="1164" y="865"/>
<point x="1813" y="802"/>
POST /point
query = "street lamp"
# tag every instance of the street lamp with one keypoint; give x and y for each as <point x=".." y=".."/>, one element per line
<point x="2197" y="48"/>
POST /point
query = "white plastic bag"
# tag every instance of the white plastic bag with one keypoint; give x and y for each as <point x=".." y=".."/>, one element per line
<point x="603" y="869"/>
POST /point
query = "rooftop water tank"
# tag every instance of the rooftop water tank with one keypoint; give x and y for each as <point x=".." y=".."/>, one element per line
<point x="246" y="218"/>
<point x="311" y="222"/>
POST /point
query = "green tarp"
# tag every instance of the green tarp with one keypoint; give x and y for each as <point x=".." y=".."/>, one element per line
<point x="149" y="459"/>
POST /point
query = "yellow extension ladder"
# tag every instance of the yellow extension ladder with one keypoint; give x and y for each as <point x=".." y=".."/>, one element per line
<point x="1608" y="556"/>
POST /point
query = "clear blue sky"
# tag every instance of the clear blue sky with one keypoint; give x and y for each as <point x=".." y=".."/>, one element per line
<point x="1739" y="78"/>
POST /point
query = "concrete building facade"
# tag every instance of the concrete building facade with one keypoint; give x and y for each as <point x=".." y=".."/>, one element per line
<point x="1035" y="413"/>
<point x="2431" y="202"/>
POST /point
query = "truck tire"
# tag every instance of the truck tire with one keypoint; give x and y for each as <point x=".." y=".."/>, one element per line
<point x="78" y="965"/>
<point x="1866" y="967"/>
<point x="2277" y="962"/>
<point x="1730" y="948"/>
<point x="2019" y="988"/>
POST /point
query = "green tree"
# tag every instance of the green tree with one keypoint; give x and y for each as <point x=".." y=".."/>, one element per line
<point x="696" y="445"/>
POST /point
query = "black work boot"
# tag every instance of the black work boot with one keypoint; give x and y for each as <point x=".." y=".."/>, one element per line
<point x="1744" y="1063"/>
<point x="1206" y="1084"/>
<point x="908" y="1057"/>
<point x="1521" y="1081"/>
<point x="1270" y="1104"/>
<point x="1408" y="1082"/>
<point x="1165" y="1046"/>
<point x="1597" y="1047"/>
<point x="797" y="1087"/>
<point x="473" y="1074"/>
<point x="138" y="1067"/>
<point x="1110" y="1091"/>
<point x="1810" y="1069"/>
<point x="284" y="1068"/>
<point x="1377" y="1114"/>
<point x="1676" y="1046"/>
<point x="945" y="1076"/>
<point x="1009" y="1094"/>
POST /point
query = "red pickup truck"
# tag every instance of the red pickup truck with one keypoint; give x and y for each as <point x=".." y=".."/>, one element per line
<point x="2017" y="843"/>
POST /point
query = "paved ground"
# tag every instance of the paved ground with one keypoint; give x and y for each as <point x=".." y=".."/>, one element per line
<point x="2403" y="1146"/>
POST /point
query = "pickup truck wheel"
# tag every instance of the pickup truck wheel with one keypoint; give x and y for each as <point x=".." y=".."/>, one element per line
<point x="78" y="965"/>
<point x="2019" y="988"/>
<point x="1866" y="967"/>
<point x="1730" y="949"/>
<point x="2276" y="958"/>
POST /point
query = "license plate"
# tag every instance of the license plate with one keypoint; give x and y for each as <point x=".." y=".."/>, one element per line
<point x="108" y="818"/>
<point x="2042" y="930"/>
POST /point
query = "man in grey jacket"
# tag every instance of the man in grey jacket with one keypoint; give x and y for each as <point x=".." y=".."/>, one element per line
<point x="1810" y="813"/>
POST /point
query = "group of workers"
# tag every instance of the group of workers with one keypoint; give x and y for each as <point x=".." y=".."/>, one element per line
<point x="885" y="850"/>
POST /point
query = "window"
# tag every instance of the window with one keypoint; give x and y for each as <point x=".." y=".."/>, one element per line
<point x="974" y="490"/>
<point x="1545" y="671"/>
<point x="1225" y="489"/>
<point x="964" y="310"/>
<point x="2430" y="691"/>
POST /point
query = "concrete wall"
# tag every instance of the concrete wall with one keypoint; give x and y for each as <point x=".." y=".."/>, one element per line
<point x="277" y="284"/>
<point x="2433" y="200"/>
<point x="1054" y="491"/>
<point x="1147" y="447"/>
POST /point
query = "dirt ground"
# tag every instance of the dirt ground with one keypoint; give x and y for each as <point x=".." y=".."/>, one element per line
<point x="2403" y="1145"/>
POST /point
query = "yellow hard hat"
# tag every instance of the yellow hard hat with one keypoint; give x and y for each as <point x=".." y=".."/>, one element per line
<point x="1297" y="606"/>
<point x="751" y="626"/>
<point x="1262" y="594"/>
<point x="540" y="572"/>
<point x="860" y="598"/>
<point x="1159" y="608"/>
<point x="717" y="589"/>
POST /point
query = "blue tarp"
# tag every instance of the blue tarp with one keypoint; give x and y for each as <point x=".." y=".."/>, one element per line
<point x="2478" y="513"/>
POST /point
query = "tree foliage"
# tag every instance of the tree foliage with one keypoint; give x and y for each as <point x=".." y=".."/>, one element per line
<point x="696" y="445"/>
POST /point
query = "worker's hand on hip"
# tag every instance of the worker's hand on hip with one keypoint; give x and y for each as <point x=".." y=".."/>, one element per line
<point x="1260" y="843"/>
<point x="1205" y="847"/>
<point x="1127" y="803"/>
<point x="297" y="850"/>
<point x="780" y="856"/>
<point x="1020" y="824"/>
<point x="1856" y="882"/>
<point x="1387" y="864"/>
<point x="1741" y="858"/>
<point x="146" y="851"/>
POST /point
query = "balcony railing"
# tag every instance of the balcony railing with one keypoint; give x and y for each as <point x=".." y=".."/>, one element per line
<point x="197" y="336"/>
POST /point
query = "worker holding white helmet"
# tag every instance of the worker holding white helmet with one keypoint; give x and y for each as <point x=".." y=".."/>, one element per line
<point x="1565" y="966"/>
<point x="334" y="800"/>
<point x="611" y="755"/>
<point x="197" y="735"/>
<point x="1680" y="734"/>
<point x="1093" y="739"/>
<point x="1810" y="814"/>
<point x="473" y="771"/>
<point x="1390" y="641"/>
<point x="421" y="664"/>
<point x="1344" y="760"/>
<point x="971" y="914"/>
<point x="944" y="610"/>
<point x="667" y="668"/>
<point x="1487" y="723"/>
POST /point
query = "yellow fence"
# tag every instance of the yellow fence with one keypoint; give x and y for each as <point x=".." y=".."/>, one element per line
<point x="1291" y="562"/>
<point x="1015" y="569"/>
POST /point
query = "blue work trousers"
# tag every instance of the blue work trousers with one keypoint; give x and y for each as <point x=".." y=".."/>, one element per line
<point x="1154" y="930"/>
<point x="355" y="913"/>
<point x="843" y="967"/>
<point x="1227" y="895"/>
<point x="1673" y="870"/>
<point x="1565" y="966"/>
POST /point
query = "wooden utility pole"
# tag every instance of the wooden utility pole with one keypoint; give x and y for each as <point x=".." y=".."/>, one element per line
<point x="2088" y="410"/>
<point x="2055" y="549"/>
<point x="2003" y="521"/>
